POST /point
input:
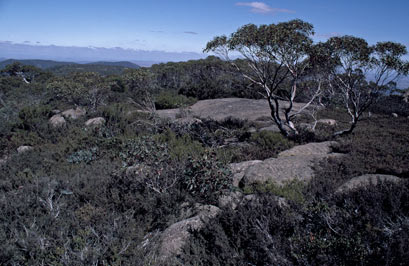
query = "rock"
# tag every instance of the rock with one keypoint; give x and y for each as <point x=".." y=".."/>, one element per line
<point x="188" y="121"/>
<point x="57" y="121"/>
<point x="366" y="180"/>
<point x="272" y="128"/>
<point x="238" y="170"/>
<point x="295" y="163"/>
<point x="329" y="122"/>
<point x="320" y="148"/>
<point x="220" y="109"/>
<point x="231" y="200"/>
<point x="394" y="115"/>
<point x="177" y="235"/>
<point x="252" y="130"/>
<point x="74" y="114"/>
<point x="23" y="149"/>
<point x="95" y="122"/>
<point x="55" y="111"/>
<point x="279" y="170"/>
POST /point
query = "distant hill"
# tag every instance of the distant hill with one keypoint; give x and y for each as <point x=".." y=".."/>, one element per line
<point x="43" y="64"/>
<point x="64" y="68"/>
<point x="120" y="64"/>
<point x="90" y="54"/>
<point x="101" y="69"/>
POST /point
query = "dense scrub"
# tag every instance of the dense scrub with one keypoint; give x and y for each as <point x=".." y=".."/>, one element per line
<point x="94" y="195"/>
<point x="317" y="226"/>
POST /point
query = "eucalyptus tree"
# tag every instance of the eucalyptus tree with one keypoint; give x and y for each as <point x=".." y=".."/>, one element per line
<point x="276" y="55"/>
<point x="360" y="72"/>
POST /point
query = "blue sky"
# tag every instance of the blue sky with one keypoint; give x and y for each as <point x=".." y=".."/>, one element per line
<point x="187" y="25"/>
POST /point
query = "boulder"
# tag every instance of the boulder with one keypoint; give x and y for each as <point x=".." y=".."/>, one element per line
<point x="329" y="122"/>
<point x="314" y="148"/>
<point x="279" y="170"/>
<point x="188" y="121"/>
<point x="295" y="163"/>
<point x="238" y="170"/>
<point x="95" y="122"/>
<point x="366" y="180"/>
<point x="57" y="121"/>
<point x="231" y="200"/>
<point x="272" y="128"/>
<point x="74" y="113"/>
<point x="394" y="115"/>
<point x="23" y="149"/>
<point x="177" y="235"/>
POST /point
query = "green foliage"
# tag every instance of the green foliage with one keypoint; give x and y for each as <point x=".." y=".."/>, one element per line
<point x="33" y="116"/>
<point x="292" y="190"/>
<point x="182" y="147"/>
<point x="85" y="156"/>
<point x="169" y="100"/>
<point x="270" y="140"/>
<point x="206" y="178"/>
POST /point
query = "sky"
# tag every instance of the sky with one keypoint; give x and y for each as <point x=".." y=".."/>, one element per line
<point x="187" y="25"/>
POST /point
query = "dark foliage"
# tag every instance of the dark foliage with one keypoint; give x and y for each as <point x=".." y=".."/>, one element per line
<point x="391" y="104"/>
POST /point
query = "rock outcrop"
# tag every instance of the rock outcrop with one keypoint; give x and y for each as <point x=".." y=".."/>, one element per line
<point x="23" y="149"/>
<point x="95" y="122"/>
<point x="366" y="180"/>
<point x="295" y="163"/>
<point x="57" y="121"/>
<point x="239" y="168"/>
<point x="74" y="113"/>
<point x="329" y="122"/>
<point x="257" y="111"/>
<point x="177" y="235"/>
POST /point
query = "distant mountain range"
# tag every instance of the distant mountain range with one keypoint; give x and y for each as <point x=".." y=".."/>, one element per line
<point x="46" y="64"/>
<point x="91" y="54"/>
<point x="63" y="68"/>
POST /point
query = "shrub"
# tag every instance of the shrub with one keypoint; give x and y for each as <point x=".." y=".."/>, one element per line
<point x="33" y="116"/>
<point x="169" y="100"/>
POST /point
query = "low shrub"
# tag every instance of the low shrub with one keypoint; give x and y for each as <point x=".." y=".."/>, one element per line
<point x="170" y="100"/>
<point x="292" y="190"/>
<point x="364" y="227"/>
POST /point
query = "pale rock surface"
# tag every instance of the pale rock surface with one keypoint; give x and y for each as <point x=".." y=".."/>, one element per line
<point x="177" y="235"/>
<point x="74" y="113"/>
<point x="366" y="180"/>
<point x="97" y="121"/>
<point x="57" y="121"/>
<point x="23" y="149"/>
<point x="295" y="163"/>
<point x="239" y="168"/>
<point x="329" y="122"/>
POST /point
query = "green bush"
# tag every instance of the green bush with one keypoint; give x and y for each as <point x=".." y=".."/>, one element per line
<point x="170" y="100"/>
<point x="292" y="190"/>
<point x="33" y="116"/>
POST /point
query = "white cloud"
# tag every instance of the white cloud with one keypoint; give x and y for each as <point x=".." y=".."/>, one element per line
<point x="262" y="8"/>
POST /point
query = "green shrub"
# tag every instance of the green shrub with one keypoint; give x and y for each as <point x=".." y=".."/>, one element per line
<point x="85" y="156"/>
<point x="271" y="140"/>
<point x="180" y="147"/>
<point x="292" y="190"/>
<point x="33" y="116"/>
<point x="169" y="100"/>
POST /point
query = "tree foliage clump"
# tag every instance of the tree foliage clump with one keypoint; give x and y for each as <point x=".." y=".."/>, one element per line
<point x="283" y="61"/>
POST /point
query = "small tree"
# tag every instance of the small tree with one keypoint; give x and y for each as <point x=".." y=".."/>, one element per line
<point x="276" y="54"/>
<point x="353" y="61"/>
